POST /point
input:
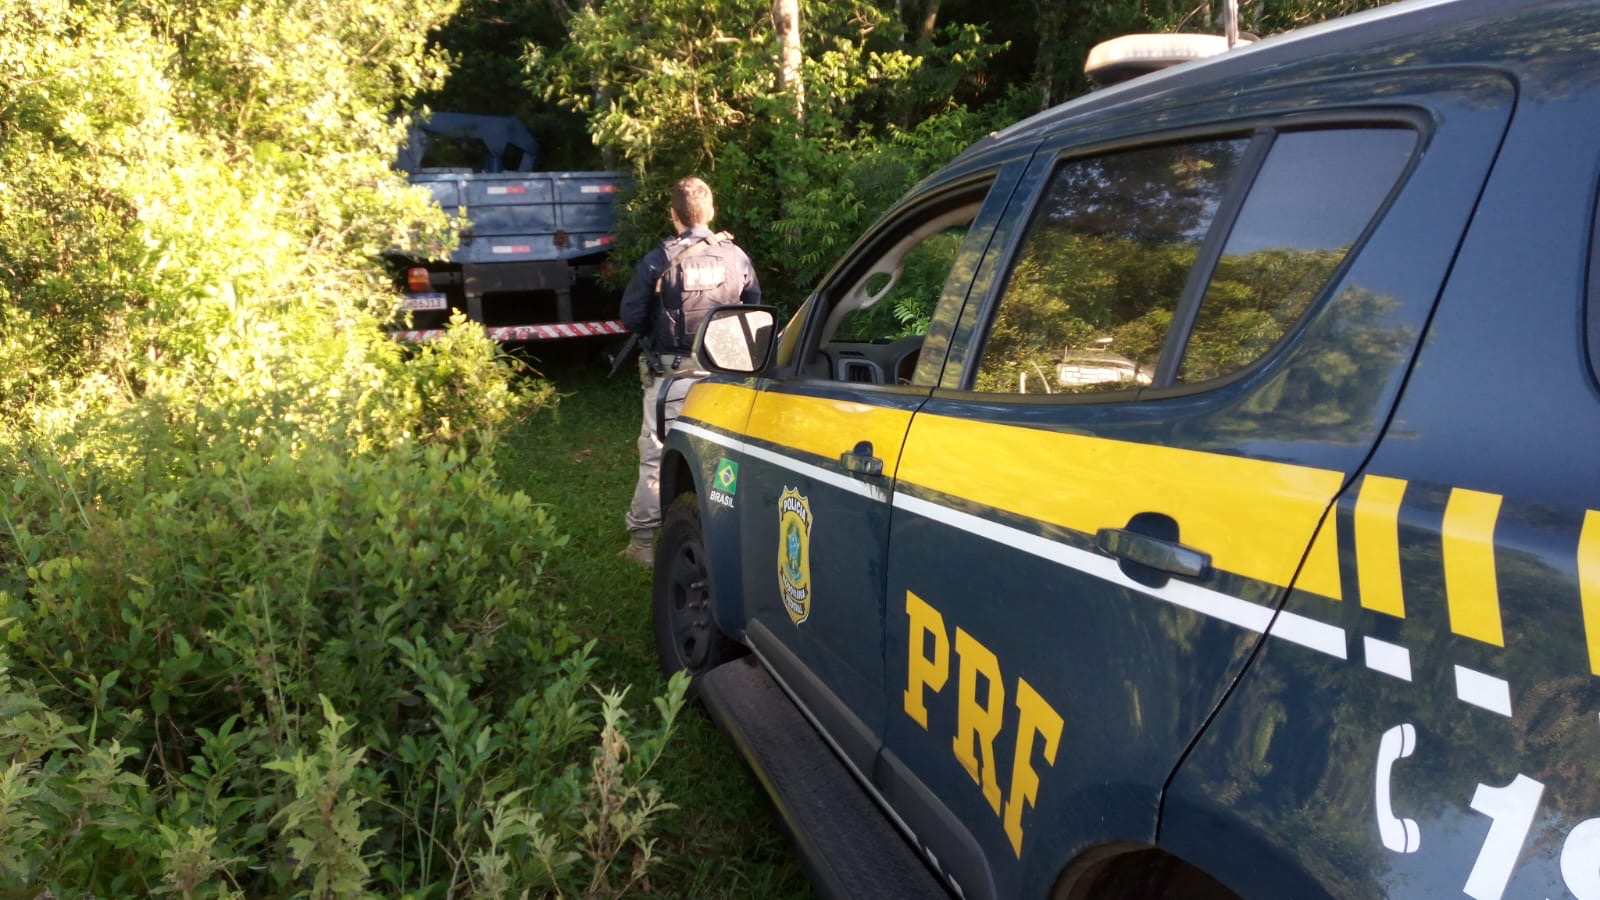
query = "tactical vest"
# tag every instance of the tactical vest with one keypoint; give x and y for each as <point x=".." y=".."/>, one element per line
<point x="698" y="277"/>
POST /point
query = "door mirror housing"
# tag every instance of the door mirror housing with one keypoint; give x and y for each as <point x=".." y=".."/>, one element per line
<point x="737" y="339"/>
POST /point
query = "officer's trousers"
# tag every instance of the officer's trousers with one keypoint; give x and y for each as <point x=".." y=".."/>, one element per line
<point x="644" y="514"/>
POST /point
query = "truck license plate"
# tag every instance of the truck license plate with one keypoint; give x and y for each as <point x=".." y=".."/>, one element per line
<point x="424" y="302"/>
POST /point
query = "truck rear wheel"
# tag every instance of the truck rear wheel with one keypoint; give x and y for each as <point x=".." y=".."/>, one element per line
<point x="687" y="637"/>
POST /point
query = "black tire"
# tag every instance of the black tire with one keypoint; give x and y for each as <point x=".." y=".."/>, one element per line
<point x="687" y="638"/>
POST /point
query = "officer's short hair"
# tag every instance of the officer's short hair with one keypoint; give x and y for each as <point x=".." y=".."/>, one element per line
<point x="691" y="200"/>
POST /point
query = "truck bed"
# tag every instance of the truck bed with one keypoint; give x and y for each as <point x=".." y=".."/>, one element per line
<point x="528" y="263"/>
<point x="527" y="216"/>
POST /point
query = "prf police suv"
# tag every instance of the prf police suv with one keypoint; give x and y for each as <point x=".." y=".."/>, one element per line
<point x="1231" y="524"/>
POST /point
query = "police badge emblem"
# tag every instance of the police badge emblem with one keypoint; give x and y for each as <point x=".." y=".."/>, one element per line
<point x="794" y="554"/>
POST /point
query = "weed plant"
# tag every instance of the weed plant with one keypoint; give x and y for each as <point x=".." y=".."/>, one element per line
<point x="245" y="665"/>
<point x="721" y="838"/>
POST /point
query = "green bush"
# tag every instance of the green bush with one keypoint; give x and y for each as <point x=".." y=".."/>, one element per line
<point x="278" y="666"/>
<point x="271" y="625"/>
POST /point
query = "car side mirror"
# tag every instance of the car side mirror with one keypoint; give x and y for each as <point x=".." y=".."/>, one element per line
<point x="737" y="339"/>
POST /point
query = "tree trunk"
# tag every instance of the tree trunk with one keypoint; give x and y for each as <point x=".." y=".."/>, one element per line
<point x="791" y="81"/>
<point x="930" y="20"/>
<point x="561" y="11"/>
<point x="1050" y="68"/>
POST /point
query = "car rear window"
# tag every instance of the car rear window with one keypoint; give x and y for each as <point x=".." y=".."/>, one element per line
<point x="1116" y="242"/>
<point x="1314" y="196"/>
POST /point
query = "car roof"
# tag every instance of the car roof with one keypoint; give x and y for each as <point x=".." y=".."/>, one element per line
<point x="1504" y="34"/>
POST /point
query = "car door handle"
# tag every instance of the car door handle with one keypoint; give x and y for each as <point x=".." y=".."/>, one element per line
<point x="860" y="460"/>
<point x="1166" y="556"/>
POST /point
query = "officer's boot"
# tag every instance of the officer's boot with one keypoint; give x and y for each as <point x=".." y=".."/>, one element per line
<point x="639" y="549"/>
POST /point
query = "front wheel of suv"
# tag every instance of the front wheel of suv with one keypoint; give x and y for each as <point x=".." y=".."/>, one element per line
<point x="687" y="638"/>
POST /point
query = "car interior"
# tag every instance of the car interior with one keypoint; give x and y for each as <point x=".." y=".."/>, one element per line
<point x="874" y="329"/>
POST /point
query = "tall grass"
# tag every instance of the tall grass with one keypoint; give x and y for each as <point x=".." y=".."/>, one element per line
<point x="578" y="458"/>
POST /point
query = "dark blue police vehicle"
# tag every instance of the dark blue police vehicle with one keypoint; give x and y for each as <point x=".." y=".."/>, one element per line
<point x="1232" y="527"/>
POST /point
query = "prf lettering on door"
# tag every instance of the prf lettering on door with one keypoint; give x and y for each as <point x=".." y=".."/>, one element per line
<point x="979" y="720"/>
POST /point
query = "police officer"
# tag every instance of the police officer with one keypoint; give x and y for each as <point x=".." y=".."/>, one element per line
<point x="673" y="288"/>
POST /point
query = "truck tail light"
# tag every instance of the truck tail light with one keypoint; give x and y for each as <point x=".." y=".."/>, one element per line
<point x="417" y="281"/>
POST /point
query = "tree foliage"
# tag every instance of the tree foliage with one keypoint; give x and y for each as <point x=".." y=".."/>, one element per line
<point x="270" y="625"/>
<point x="679" y="88"/>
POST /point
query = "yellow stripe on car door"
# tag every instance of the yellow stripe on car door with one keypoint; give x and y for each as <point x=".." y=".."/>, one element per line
<point x="1254" y="517"/>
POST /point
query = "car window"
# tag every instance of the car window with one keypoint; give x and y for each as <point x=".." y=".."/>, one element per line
<point x="908" y="305"/>
<point x="872" y="319"/>
<point x="1090" y="298"/>
<point x="1313" y="197"/>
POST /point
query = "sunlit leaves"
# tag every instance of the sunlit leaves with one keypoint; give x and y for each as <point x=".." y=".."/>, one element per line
<point x="678" y="87"/>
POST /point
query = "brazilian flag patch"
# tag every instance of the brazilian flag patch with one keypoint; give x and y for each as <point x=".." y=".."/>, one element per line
<point x="727" y="477"/>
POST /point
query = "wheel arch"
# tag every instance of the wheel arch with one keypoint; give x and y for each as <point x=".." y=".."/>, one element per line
<point x="678" y="476"/>
<point x="1129" y="869"/>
